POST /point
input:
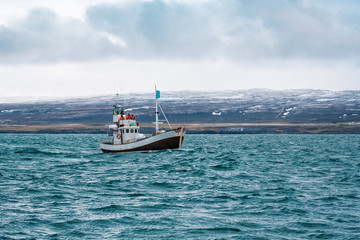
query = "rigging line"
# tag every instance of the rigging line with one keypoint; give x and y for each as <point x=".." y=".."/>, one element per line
<point x="165" y="116"/>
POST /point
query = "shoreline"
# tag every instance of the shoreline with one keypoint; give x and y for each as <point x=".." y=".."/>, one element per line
<point x="201" y="128"/>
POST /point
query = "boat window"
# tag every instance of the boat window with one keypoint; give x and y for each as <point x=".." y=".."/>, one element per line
<point x="135" y="130"/>
<point x="116" y="111"/>
<point x="132" y="130"/>
<point x="127" y="130"/>
<point x="123" y="131"/>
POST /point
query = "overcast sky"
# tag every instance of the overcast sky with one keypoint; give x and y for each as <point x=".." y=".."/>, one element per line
<point x="91" y="47"/>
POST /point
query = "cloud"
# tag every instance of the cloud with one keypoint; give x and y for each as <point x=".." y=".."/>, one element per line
<point x="233" y="30"/>
<point x="304" y="31"/>
<point x="44" y="37"/>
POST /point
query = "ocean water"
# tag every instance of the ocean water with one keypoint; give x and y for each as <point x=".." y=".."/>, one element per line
<point x="55" y="186"/>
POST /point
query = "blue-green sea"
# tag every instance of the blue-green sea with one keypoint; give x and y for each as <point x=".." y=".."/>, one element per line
<point x="61" y="186"/>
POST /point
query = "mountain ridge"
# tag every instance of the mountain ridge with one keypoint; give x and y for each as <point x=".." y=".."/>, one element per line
<point x="235" y="106"/>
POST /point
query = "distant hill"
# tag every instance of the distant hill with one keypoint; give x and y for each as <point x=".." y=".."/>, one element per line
<point x="240" y="106"/>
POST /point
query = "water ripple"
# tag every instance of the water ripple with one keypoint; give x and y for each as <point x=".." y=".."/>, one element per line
<point x="55" y="186"/>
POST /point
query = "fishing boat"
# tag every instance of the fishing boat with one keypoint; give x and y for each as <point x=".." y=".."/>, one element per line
<point x="125" y="133"/>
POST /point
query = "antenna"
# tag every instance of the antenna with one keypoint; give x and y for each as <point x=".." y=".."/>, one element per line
<point x="114" y="87"/>
<point x="119" y="87"/>
<point x="121" y="90"/>
<point x="156" y="113"/>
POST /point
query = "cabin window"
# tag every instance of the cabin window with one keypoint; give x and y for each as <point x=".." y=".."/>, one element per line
<point x="117" y="111"/>
<point x="123" y="131"/>
<point x="127" y="130"/>
<point x="132" y="130"/>
<point x="135" y="130"/>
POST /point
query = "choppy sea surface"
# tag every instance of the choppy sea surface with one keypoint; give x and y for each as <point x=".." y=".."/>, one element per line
<point x="55" y="186"/>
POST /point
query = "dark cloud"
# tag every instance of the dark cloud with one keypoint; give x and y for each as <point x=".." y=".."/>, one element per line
<point x="230" y="29"/>
<point x="235" y="30"/>
<point x="157" y="28"/>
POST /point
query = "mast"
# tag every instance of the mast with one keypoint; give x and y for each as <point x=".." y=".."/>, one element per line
<point x="156" y="112"/>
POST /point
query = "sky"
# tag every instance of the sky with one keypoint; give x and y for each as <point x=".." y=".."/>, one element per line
<point x="98" y="47"/>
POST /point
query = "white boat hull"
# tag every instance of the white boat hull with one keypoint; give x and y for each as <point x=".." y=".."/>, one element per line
<point x="168" y="140"/>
